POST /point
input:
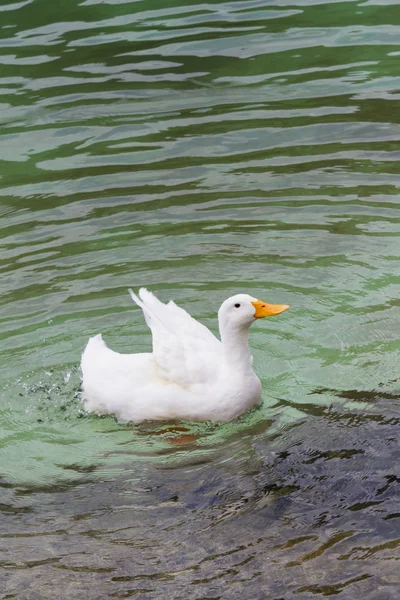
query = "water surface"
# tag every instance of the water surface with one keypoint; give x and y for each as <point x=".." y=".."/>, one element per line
<point x="201" y="150"/>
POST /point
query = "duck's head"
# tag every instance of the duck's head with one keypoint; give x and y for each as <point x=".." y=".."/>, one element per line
<point x="242" y="310"/>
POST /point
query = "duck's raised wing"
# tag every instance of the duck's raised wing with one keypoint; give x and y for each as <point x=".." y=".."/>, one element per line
<point x="186" y="352"/>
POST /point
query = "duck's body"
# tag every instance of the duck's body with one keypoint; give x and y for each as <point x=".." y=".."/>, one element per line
<point x="129" y="386"/>
<point x="190" y="374"/>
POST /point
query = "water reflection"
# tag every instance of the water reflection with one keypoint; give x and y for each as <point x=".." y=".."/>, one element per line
<point x="276" y="512"/>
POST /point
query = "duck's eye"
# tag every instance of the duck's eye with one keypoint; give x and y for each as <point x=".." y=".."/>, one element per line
<point x="237" y="305"/>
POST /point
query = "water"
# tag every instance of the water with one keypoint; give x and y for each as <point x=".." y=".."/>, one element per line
<point x="201" y="150"/>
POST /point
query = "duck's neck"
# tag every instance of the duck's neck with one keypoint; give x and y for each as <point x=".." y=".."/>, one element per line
<point x="235" y="344"/>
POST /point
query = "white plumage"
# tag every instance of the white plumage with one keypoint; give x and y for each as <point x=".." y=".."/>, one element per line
<point x="189" y="375"/>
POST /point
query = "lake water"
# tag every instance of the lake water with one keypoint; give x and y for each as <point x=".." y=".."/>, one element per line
<point x="201" y="150"/>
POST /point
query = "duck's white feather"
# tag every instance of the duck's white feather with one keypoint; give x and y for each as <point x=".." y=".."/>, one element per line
<point x="189" y="375"/>
<point x="185" y="351"/>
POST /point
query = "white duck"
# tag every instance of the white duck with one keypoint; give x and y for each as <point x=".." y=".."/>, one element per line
<point x="189" y="375"/>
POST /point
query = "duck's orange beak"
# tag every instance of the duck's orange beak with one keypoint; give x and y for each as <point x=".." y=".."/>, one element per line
<point x="263" y="309"/>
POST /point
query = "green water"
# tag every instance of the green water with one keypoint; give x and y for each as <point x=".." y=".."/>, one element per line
<point x="201" y="150"/>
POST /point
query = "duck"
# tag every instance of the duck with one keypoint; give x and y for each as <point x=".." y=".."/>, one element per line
<point x="190" y="375"/>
